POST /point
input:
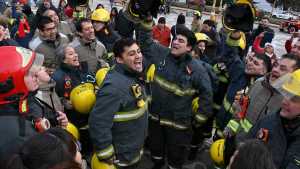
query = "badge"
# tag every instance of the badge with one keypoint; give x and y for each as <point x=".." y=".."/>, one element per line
<point x="263" y="134"/>
<point x="137" y="90"/>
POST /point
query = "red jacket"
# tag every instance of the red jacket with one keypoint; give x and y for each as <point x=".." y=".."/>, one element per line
<point x="163" y="36"/>
<point x="288" y="45"/>
<point x="256" y="45"/>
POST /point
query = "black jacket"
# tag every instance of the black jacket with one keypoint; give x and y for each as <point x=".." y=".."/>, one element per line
<point x="283" y="142"/>
<point x="176" y="83"/>
<point x="117" y="125"/>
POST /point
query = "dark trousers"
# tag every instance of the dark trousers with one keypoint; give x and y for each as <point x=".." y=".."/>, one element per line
<point x="168" y="143"/>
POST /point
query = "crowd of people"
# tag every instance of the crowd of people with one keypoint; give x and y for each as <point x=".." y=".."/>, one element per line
<point x="82" y="88"/>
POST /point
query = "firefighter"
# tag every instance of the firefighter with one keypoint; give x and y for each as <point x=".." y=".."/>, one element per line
<point x="280" y="130"/>
<point x="19" y="77"/>
<point x="176" y="81"/>
<point x="103" y="30"/>
<point x="118" y="122"/>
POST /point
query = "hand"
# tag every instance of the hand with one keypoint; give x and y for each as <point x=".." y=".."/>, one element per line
<point x="62" y="119"/>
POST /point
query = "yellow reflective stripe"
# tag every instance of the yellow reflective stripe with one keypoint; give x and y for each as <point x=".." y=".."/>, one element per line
<point x="173" y="87"/>
<point x="130" y="115"/>
<point x="233" y="125"/>
<point x="106" y="153"/>
<point x="24" y="106"/>
<point x="150" y="74"/>
<point x="246" y="125"/>
<point x="135" y="160"/>
<point x="216" y="106"/>
<point x="200" y="118"/>
<point x="195" y="105"/>
<point x="165" y="122"/>
<point x="216" y="69"/>
<point x="223" y="79"/>
<point x="227" y="106"/>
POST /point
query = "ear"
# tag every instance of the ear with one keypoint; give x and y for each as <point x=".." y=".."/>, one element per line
<point x="189" y="48"/>
<point x="119" y="59"/>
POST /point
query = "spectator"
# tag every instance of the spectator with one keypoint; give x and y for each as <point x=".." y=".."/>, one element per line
<point x="196" y="23"/>
<point x="113" y="17"/>
<point x="161" y="32"/>
<point x="4" y="36"/>
<point x="295" y="49"/>
<point x="252" y="154"/>
<point x="54" y="148"/>
<point x="47" y="41"/>
<point x="267" y="50"/>
<point x="264" y="27"/>
<point x="179" y="23"/>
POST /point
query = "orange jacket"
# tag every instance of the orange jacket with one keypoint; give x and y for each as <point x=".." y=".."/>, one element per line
<point x="163" y="36"/>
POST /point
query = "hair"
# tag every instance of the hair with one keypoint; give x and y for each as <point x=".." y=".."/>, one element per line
<point x="78" y="24"/>
<point x="184" y="31"/>
<point x="162" y="20"/>
<point x="43" y="21"/>
<point x="267" y="61"/>
<point x="209" y="22"/>
<point x="292" y="57"/>
<point x="52" y="149"/>
<point x="253" y="154"/>
<point x="180" y="19"/>
<point x="114" y="9"/>
<point x="265" y="17"/>
<point x="47" y="11"/>
<point x="119" y="46"/>
<point x="60" y="52"/>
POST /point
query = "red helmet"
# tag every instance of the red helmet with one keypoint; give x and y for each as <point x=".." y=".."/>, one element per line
<point x="69" y="11"/>
<point x="15" y="62"/>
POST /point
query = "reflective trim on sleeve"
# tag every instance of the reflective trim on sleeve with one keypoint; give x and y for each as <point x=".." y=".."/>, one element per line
<point x="233" y="125"/>
<point x="106" y="153"/>
<point x="168" y="123"/>
<point x="246" y="125"/>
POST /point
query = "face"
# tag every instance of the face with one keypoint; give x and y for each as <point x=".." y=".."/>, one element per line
<point x="282" y="67"/>
<point x="71" y="57"/>
<point x="98" y="26"/>
<point x="87" y="33"/>
<point x="180" y="46"/>
<point x="31" y="81"/>
<point x="49" y="32"/>
<point x="161" y="25"/>
<point x="43" y="76"/>
<point x="47" y="3"/>
<point x="132" y="58"/>
<point x="201" y="46"/>
<point x="52" y="14"/>
<point x="264" y="22"/>
<point x="205" y="28"/>
<point x="269" y="49"/>
<point x="255" y="66"/>
<point x="296" y="48"/>
<point x="290" y="108"/>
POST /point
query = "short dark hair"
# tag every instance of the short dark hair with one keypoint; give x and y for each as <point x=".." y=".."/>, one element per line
<point x="266" y="59"/>
<point x="119" y="46"/>
<point x="50" y="149"/>
<point x="43" y="21"/>
<point x="180" y="19"/>
<point x="162" y="20"/>
<point x="253" y="154"/>
<point x="78" y="24"/>
<point x="209" y="22"/>
<point x="265" y="17"/>
<point x="184" y="31"/>
<point x="292" y="57"/>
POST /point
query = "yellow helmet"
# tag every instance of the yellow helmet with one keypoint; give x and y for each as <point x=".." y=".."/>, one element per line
<point x="96" y="164"/>
<point x="202" y="37"/>
<point x="100" y="15"/>
<point x="290" y="84"/>
<point x="197" y="13"/>
<point x="72" y="129"/>
<point x="100" y="75"/>
<point x="241" y="42"/>
<point x="217" y="152"/>
<point x="83" y="98"/>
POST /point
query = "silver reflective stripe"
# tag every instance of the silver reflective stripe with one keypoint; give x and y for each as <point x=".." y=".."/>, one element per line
<point x="135" y="160"/>
<point x="157" y="157"/>
<point x="106" y="153"/>
<point x="165" y="122"/>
